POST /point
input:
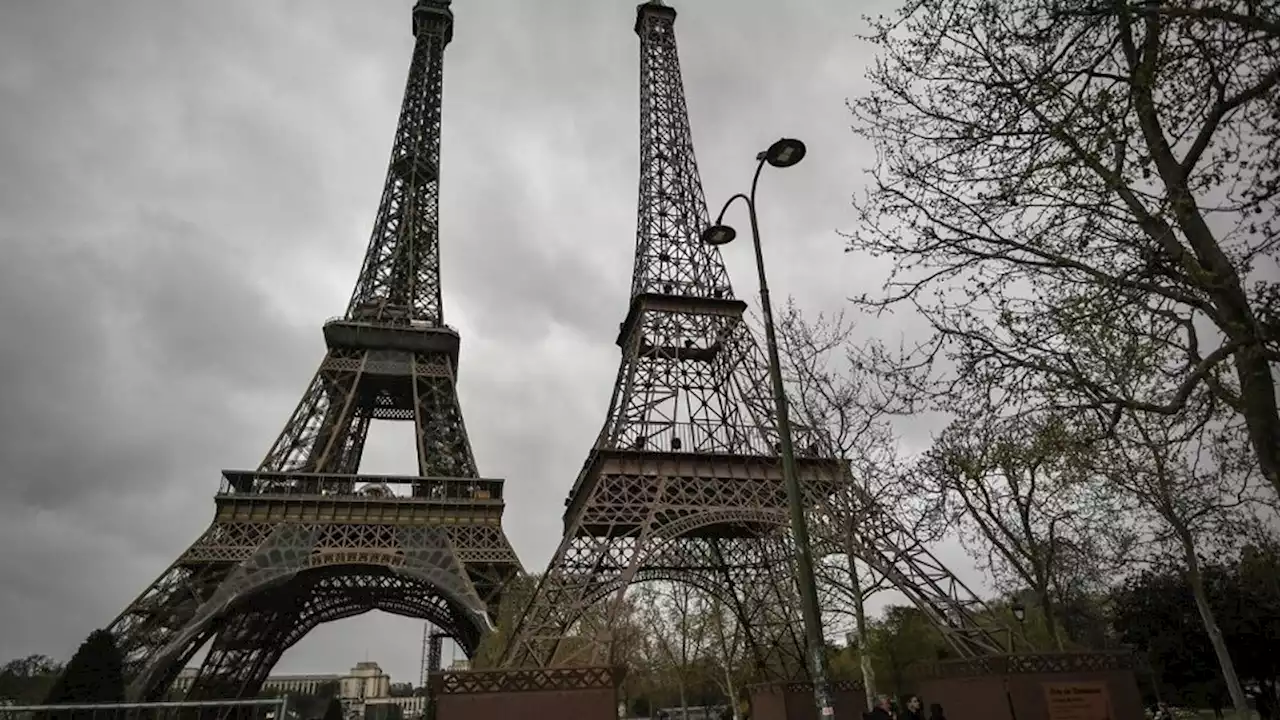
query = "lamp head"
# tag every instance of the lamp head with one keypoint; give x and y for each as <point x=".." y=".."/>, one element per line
<point x="784" y="153"/>
<point x="1019" y="611"/>
<point x="719" y="235"/>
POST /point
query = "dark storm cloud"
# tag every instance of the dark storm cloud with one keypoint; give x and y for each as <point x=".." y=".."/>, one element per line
<point x="186" y="189"/>
<point x="140" y="331"/>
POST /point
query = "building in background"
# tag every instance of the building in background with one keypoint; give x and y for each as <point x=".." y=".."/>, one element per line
<point x="366" y="680"/>
<point x="275" y="684"/>
<point x="365" y="691"/>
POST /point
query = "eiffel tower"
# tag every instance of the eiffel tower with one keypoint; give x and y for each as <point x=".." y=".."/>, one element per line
<point x="684" y="482"/>
<point x="306" y="539"/>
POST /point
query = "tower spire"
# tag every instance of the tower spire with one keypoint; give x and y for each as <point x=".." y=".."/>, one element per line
<point x="672" y="212"/>
<point x="399" y="282"/>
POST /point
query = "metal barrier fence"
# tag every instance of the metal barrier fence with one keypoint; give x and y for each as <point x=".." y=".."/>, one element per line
<point x="257" y="709"/>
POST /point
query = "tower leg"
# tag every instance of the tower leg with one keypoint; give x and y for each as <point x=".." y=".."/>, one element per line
<point x="443" y="447"/>
<point x="322" y="435"/>
<point x="244" y="651"/>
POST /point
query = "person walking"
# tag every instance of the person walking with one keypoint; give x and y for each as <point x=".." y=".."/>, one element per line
<point x="913" y="709"/>
<point x="883" y="709"/>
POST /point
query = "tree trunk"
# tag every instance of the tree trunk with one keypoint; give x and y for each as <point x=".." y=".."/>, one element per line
<point x="1050" y="611"/>
<point x="732" y="691"/>
<point x="1196" y="580"/>
<point x="1257" y="394"/>
<point x="1239" y="323"/>
<point x="684" y="653"/>
<point x="860" y="623"/>
<point x="727" y="655"/>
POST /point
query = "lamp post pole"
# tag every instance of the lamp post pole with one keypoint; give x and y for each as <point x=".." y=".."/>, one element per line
<point x="785" y="153"/>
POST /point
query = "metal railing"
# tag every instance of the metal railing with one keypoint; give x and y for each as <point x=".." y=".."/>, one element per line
<point x="666" y="286"/>
<point x="687" y="437"/>
<point x="255" y="709"/>
<point x="396" y="323"/>
<point x="360" y="487"/>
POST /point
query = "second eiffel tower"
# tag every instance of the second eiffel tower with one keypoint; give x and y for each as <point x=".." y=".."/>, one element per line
<point x="305" y="538"/>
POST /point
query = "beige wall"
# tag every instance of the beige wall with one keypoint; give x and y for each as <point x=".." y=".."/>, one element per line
<point x="410" y="706"/>
<point x="365" y="681"/>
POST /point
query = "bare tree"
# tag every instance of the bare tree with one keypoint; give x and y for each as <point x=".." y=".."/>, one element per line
<point x="830" y="393"/>
<point x="628" y="636"/>
<point x="1194" y="481"/>
<point x="1026" y="507"/>
<point x="675" y="614"/>
<point x="1046" y="167"/>
<point x="725" y="649"/>
<point x="1192" y="475"/>
<point x="1251" y="16"/>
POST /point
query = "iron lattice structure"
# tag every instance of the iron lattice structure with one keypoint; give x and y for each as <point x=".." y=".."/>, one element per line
<point x="684" y="482"/>
<point x="432" y="648"/>
<point x="306" y="539"/>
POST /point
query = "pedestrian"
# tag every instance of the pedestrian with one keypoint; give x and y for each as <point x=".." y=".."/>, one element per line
<point x="883" y="709"/>
<point x="913" y="709"/>
<point x="935" y="712"/>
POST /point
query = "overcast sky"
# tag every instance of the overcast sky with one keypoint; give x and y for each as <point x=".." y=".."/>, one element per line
<point x="186" y="191"/>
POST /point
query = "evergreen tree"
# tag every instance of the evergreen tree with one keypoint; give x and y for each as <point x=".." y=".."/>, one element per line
<point x="94" y="675"/>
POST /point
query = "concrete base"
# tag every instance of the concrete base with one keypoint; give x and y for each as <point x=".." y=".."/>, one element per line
<point x="1061" y="686"/>
<point x="541" y="694"/>
<point x="794" y="701"/>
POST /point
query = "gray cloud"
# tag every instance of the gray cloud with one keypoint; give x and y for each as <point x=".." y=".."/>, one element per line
<point x="186" y="189"/>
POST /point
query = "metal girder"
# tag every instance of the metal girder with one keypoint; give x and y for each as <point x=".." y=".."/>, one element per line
<point x="327" y="431"/>
<point x="306" y="539"/>
<point x="435" y="644"/>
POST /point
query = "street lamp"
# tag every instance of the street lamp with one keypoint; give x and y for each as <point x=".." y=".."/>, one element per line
<point x="784" y="153"/>
<point x="1019" y="611"/>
